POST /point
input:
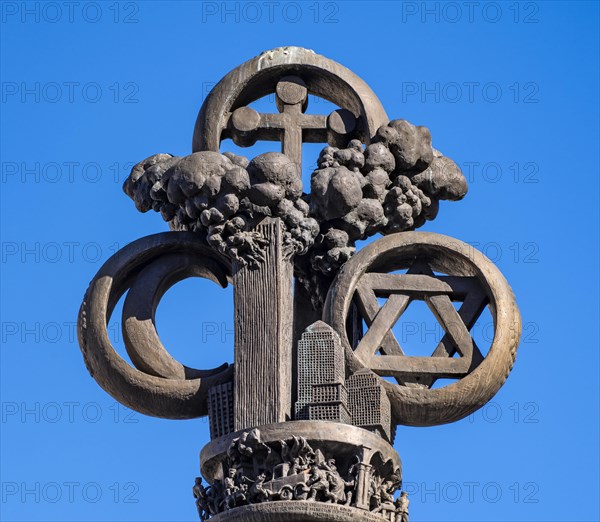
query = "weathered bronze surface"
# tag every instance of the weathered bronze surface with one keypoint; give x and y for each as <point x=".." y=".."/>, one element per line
<point x="302" y="422"/>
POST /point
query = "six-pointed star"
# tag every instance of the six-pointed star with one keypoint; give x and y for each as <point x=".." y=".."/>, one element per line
<point x="438" y="292"/>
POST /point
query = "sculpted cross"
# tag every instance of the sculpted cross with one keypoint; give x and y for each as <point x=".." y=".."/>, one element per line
<point x="291" y="126"/>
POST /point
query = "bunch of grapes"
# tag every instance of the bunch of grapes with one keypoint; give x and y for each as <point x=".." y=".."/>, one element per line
<point x="392" y="185"/>
<point x="225" y="197"/>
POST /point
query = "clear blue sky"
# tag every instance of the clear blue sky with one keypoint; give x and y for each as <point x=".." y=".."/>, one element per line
<point x="509" y="91"/>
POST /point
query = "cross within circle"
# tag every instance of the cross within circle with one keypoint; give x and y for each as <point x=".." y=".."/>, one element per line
<point x="291" y="126"/>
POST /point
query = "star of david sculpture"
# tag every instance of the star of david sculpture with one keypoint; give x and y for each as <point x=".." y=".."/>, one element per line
<point x="302" y="423"/>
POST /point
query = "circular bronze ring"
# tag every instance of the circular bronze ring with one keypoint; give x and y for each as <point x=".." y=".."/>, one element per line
<point x="139" y="331"/>
<point x="259" y="77"/>
<point x="169" y="391"/>
<point x="417" y="406"/>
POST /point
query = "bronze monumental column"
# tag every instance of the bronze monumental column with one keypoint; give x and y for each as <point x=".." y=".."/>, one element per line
<point x="302" y="423"/>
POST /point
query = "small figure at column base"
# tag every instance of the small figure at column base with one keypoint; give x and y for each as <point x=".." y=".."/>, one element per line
<point x="402" y="507"/>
